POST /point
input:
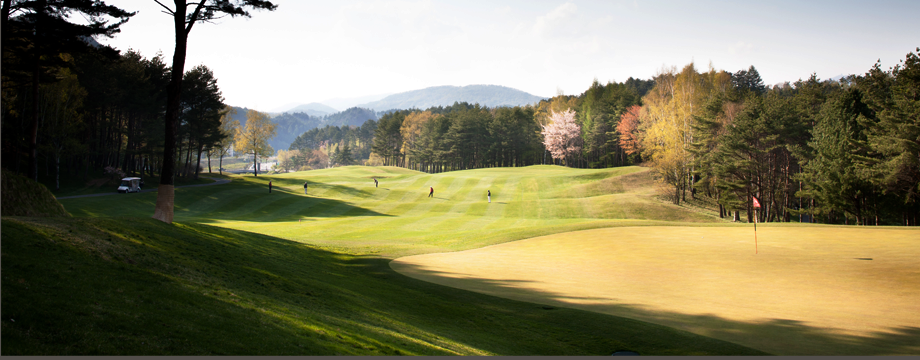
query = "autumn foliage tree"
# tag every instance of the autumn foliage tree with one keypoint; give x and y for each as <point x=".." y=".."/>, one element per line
<point x="253" y="138"/>
<point x="628" y="129"/>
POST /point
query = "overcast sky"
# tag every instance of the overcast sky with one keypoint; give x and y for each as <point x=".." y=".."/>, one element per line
<point x="311" y="51"/>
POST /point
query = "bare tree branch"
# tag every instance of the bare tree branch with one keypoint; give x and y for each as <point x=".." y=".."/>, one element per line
<point x="194" y="17"/>
<point x="168" y="10"/>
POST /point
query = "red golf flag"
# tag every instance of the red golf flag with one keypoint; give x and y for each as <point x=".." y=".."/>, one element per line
<point x="756" y="203"/>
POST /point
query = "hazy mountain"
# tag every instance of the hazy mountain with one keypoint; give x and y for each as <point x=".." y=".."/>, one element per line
<point x="351" y="117"/>
<point x="315" y="109"/>
<point x="347" y="103"/>
<point x="290" y="125"/>
<point x="485" y="95"/>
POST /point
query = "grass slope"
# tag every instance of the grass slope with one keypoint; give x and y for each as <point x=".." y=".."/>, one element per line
<point x="22" y="196"/>
<point x="124" y="285"/>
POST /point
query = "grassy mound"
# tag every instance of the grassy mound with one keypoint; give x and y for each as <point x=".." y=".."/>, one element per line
<point x="121" y="285"/>
<point x="25" y="197"/>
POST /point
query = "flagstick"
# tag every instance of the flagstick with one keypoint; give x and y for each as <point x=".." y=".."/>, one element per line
<point x="755" y="230"/>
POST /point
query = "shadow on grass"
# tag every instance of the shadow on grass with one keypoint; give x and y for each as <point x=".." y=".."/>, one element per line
<point x="775" y="336"/>
<point x="105" y="286"/>
<point x="280" y="207"/>
<point x="247" y="200"/>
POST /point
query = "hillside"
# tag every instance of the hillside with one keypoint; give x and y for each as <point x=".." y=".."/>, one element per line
<point x="291" y="125"/>
<point x="486" y="95"/>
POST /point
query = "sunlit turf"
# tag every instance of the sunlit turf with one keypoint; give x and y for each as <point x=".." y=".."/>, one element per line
<point x="344" y="210"/>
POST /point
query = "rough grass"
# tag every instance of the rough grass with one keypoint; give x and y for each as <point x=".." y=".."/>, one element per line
<point x="22" y="196"/>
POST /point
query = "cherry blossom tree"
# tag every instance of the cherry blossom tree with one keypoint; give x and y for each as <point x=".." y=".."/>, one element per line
<point x="562" y="137"/>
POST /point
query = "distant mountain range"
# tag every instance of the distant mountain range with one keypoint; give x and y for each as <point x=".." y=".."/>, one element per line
<point x="485" y="95"/>
<point x="298" y="119"/>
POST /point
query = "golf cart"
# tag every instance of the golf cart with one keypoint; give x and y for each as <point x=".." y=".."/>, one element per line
<point x="130" y="184"/>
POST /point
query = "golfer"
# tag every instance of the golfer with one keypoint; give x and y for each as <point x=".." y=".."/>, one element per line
<point x="431" y="191"/>
<point x="375" y="182"/>
<point x="304" y="187"/>
<point x="489" y="195"/>
<point x="269" y="186"/>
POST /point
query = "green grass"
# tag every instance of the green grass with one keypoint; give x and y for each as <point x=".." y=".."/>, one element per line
<point x="132" y="286"/>
<point x="345" y="211"/>
<point x="246" y="272"/>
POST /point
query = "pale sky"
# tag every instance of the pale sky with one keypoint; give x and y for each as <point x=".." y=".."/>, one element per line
<point x="311" y="51"/>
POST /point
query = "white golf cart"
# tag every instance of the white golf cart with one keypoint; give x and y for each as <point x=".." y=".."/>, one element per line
<point x="129" y="185"/>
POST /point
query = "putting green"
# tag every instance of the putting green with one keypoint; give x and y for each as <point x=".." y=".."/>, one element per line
<point x="822" y="290"/>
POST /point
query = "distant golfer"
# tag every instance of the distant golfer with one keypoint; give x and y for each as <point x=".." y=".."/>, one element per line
<point x="431" y="191"/>
<point x="489" y="195"/>
<point x="375" y="182"/>
<point x="304" y="187"/>
<point x="269" y="186"/>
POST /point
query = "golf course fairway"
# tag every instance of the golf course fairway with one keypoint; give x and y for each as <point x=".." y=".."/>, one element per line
<point x="809" y="290"/>
<point x="561" y="261"/>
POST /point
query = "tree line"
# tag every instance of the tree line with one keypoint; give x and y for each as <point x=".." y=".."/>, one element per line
<point x="469" y="136"/>
<point x="842" y="152"/>
<point x="104" y="109"/>
<point x="834" y="151"/>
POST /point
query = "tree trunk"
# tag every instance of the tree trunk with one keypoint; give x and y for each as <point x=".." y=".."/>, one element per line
<point x="33" y="130"/>
<point x="166" y="190"/>
<point x="57" y="169"/>
<point x="198" y="163"/>
<point x="188" y="159"/>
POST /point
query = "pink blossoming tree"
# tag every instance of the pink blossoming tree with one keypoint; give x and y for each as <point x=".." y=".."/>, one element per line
<point x="562" y="137"/>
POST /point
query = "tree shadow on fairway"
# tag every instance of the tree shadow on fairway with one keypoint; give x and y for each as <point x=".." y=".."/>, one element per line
<point x="775" y="336"/>
<point x="280" y="206"/>
<point x="314" y="185"/>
